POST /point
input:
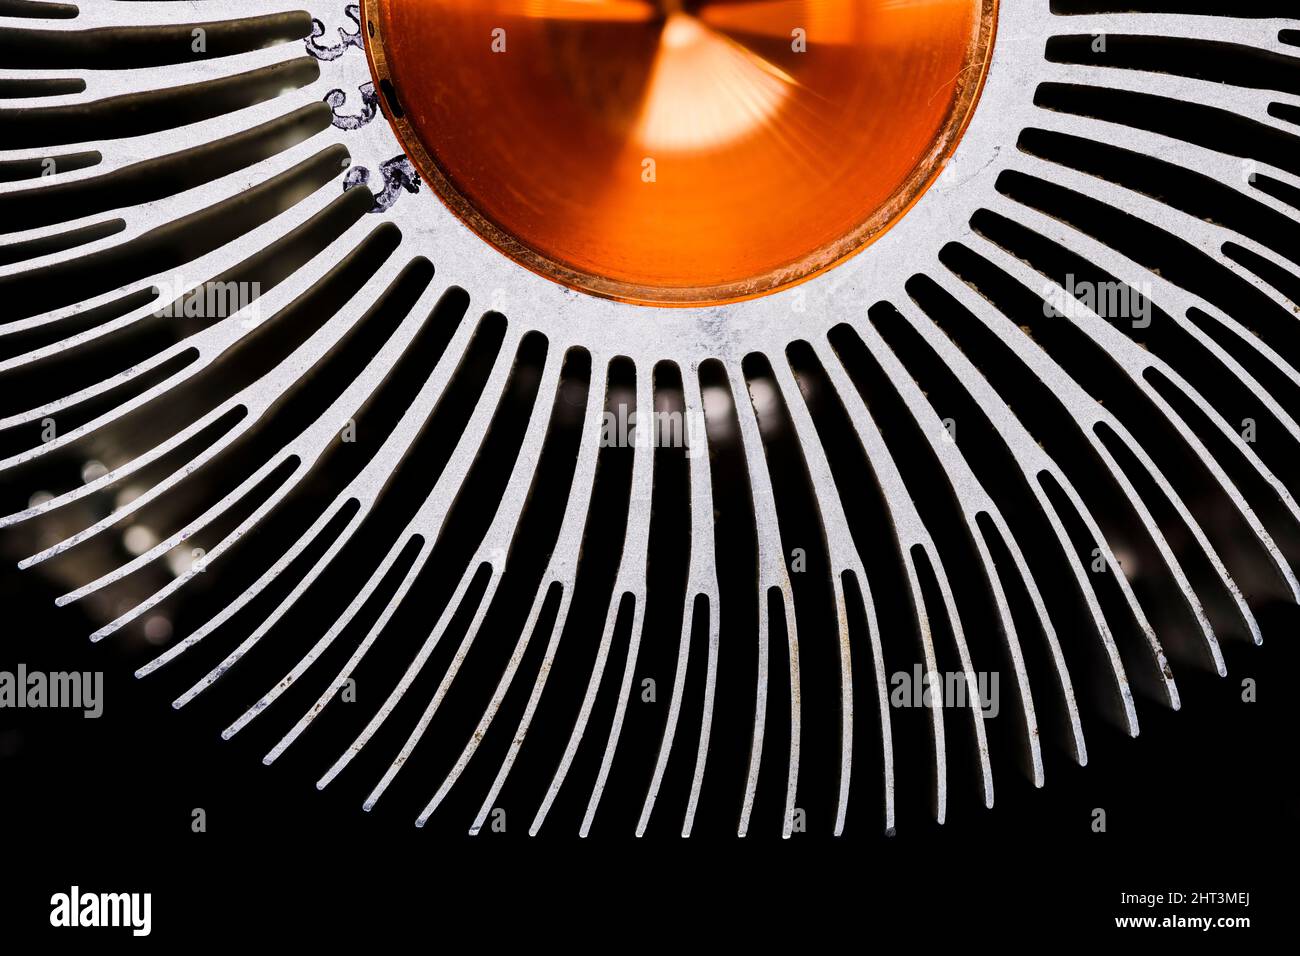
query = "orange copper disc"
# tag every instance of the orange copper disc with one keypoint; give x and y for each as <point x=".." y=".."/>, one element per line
<point x="678" y="152"/>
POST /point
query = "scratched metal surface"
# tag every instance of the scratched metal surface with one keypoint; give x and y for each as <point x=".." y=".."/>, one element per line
<point x="350" y="145"/>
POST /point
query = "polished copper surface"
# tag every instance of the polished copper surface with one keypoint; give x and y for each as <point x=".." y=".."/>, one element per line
<point x="679" y="152"/>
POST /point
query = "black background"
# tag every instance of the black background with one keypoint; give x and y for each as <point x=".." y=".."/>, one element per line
<point x="1202" y="800"/>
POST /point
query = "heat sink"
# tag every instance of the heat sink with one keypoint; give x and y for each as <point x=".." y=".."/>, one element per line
<point x="324" y="462"/>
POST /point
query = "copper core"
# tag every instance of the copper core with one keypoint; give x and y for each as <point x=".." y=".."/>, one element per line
<point x="679" y="152"/>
